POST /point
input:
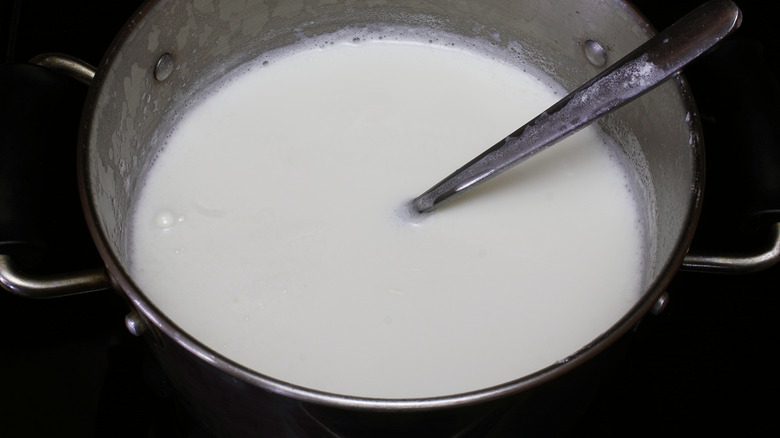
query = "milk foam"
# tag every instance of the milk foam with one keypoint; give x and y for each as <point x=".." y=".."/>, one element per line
<point x="269" y="227"/>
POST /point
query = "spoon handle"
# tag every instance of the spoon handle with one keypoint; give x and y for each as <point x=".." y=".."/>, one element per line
<point x="628" y="78"/>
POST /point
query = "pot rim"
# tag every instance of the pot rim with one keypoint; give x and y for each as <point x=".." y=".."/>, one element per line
<point x="159" y="323"/>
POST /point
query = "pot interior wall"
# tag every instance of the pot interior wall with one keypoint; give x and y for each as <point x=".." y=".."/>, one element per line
<point x="130" y="111"/>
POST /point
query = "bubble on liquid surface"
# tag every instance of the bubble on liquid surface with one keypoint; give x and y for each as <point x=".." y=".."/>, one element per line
<point x="165" y="219"/>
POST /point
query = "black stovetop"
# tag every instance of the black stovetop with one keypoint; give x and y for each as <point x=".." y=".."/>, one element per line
<point x="70" y="368"/>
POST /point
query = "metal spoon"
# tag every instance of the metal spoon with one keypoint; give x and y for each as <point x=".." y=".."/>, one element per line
<point x="633" y="75"/>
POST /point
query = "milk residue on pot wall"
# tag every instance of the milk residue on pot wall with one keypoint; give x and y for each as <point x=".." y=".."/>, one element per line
<point x="266" y="228"/>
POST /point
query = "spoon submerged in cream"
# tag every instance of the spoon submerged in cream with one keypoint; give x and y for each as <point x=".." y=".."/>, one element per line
<point x="633" y="75"/>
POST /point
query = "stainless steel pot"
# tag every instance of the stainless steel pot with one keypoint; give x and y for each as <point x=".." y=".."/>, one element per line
<point x="172" y="49"/>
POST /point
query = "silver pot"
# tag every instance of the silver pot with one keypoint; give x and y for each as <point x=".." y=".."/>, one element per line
<point x="170" y="50"/>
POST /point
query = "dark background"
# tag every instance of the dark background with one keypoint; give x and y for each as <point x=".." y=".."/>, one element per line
<point x="69" y="368"/>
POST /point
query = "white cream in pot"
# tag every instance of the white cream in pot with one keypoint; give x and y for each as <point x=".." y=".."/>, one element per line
<point x="268" y="227"/>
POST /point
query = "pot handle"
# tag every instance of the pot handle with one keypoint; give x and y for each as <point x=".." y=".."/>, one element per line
<point x="742" y="94"/>
<point x="735" y="264"/>
<point x="21" y="161"/>
<point x="67" y="65"/>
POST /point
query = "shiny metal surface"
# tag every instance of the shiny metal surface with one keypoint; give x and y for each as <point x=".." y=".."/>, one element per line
<point x="633" y="75"/>
<point x="164" y="67"/>
<point x="736" y="264"/>
<point x="661" y="304"/>
<point x="135" y="324"/>
<point x="51" y="286"/>
<point x="67" y="65"/>
<point x="595" y="52"/>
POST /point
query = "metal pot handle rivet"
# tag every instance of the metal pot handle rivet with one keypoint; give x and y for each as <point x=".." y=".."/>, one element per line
<point x="135" y="324"/>
<point x="595" y="53"/>
<point x="660" y="304"/>
<point x="164" y="67"/>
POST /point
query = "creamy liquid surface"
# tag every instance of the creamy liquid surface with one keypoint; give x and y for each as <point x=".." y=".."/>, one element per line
<point x="269" y="229"/>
